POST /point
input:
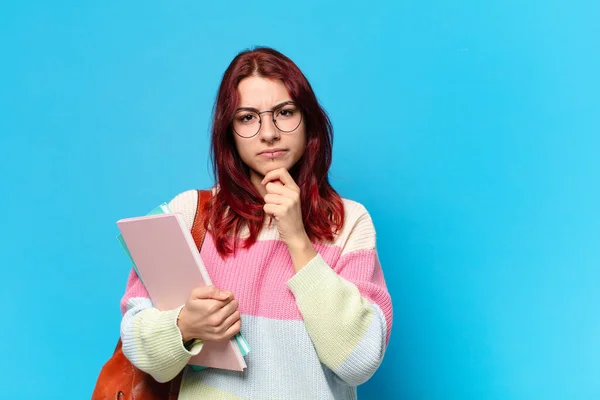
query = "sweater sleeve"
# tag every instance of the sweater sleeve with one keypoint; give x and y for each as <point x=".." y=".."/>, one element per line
<point x="151" y="338"/>
<point x="346" y="307"/>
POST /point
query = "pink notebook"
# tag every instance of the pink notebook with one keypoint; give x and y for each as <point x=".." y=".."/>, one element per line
<point x="170" y="266"/>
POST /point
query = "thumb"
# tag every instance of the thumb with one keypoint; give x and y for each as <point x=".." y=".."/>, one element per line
<point x="210" y="292"/>
<point x="222" y="295"/>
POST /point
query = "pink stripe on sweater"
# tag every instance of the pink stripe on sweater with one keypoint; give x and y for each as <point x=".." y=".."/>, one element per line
<point x="265" y="271"/>
<point x="134" y="288"/>
<point x="258" y="277"/>
<point x="267" y="268"/>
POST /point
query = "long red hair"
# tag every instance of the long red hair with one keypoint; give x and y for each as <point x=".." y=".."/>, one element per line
<point x="237" y="201"/>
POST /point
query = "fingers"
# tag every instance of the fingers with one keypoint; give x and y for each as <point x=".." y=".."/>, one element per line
<point x="227" y="295"/>
<point x="279" y="190"/>
<point x="284" y="176"/>
<point x="229" y="328"/>
<point x="213" y="314"/>
<point x="275" y="182"/>
<point x="211" y="292"/>
<point x="233" y="329"/>
<point x="275" y="199"/>
<point x="232" y="317"/>
<point x="274" y="210"/>
<point x="226" y="311"/>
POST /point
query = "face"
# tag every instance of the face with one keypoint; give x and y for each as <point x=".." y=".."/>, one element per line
<point x="272" y="147"/>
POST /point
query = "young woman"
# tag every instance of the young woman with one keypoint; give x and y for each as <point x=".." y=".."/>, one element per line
<point x="294" y="265"/>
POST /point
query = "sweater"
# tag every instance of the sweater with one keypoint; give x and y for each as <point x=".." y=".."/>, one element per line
<point x="315" y="334"/>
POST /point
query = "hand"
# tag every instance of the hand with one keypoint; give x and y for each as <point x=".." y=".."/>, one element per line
<point x="282" y="202"/>
<point x="209" y="314"/>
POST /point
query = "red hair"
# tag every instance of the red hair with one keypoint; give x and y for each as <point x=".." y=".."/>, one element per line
<point x="237" y="201"/>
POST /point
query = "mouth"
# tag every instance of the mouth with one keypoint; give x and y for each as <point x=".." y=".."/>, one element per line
<point x="273" y="153"/>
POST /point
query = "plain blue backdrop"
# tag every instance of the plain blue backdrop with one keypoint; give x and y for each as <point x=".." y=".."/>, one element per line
<point x="470" y="131"/>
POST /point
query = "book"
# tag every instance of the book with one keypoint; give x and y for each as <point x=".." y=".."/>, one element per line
<point x="161" y="209"/>
<point x="161" y="239"/>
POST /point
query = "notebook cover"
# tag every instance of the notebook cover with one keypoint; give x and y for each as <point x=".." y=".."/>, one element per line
<point x="170" y="266"/>
<point x="164" y="209"/>
<point x="161" y="209"/>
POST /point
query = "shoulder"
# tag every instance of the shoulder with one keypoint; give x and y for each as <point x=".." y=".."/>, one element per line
<point x="186" y="204"/>
<point x="353" y="209"/>
<point x="355" y="214"/>
<point x="184" y="200"/>
<point x="358" y="231"/>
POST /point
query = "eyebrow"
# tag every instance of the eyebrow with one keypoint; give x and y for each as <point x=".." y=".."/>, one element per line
<point x="285" y="103"/>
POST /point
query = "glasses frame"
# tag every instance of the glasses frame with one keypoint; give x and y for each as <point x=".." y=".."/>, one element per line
<point x="275" y="109"/>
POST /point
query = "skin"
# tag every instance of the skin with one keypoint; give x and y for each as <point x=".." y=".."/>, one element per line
<point x="211" y="313"/>
<point x="270" y="176"/>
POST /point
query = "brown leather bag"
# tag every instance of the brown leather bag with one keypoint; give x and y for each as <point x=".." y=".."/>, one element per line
<point x="119" y="379"/>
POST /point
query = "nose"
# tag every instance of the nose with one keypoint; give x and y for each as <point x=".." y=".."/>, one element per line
<point x="268" y="131"/>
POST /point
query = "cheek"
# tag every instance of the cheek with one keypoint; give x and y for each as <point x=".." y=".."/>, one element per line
<point x="244" y="150"/>
<point x="301" y="140"/>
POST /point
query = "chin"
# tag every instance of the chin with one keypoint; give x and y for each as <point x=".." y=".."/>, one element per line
<point x="272" y="165"/>
<point x="262" y="170"/>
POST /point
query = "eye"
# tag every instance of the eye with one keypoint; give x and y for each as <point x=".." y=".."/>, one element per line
<point x="286" y="112"/>
<point x="247" y="118"/>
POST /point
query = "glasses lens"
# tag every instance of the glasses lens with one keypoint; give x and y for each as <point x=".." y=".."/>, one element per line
<point x="288" y="118"/>
<point x="246" y="123"/>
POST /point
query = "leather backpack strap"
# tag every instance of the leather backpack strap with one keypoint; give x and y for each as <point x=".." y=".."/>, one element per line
<point x="198" y="230"/>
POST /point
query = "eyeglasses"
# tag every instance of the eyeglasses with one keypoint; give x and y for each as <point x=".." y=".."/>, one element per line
<point x="247" y="121"/>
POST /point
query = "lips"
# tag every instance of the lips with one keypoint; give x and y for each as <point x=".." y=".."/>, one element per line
<point x="276" y="150"/>
<point x="274" y="153"/>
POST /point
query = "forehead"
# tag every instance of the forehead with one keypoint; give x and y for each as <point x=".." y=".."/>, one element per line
<point x="262" y="92"/>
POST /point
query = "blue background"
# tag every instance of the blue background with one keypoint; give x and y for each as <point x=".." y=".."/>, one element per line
<point x="470" y="130"/>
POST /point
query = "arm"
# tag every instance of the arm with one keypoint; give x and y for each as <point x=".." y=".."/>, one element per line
<point x="151" y="338"/>
<point x="346" y="308"/>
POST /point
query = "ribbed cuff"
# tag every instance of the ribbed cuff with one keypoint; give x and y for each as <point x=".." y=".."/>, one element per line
<point x="313" y="274"/>
<point x="167" y="343"/>
<point x="195" y="347"/>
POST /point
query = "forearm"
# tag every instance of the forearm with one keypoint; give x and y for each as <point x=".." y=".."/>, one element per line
<point x="153" y="343"/>
<point x="348" y="331"/>
<point x="301" y="252"/>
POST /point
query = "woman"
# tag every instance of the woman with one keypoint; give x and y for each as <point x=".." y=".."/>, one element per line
<point x="294" y="266"/>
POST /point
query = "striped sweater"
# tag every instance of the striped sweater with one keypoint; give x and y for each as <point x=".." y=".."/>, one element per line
<point x="314" y="334"/>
